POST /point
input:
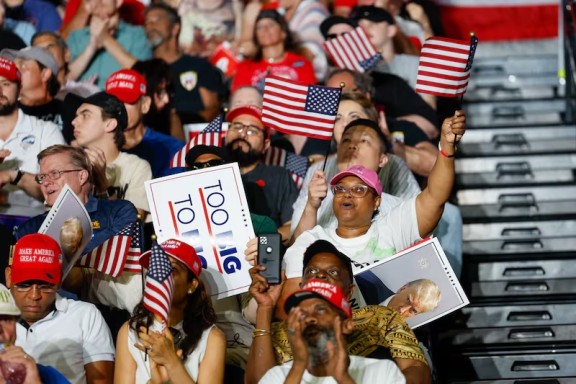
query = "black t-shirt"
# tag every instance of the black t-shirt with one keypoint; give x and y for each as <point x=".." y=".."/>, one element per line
<point x="279" y="189"/>
<point x="398" y="99"/>
<point x="412" y="133"/>
<point x="51" y="111"/>
<point x="189" y="73"/>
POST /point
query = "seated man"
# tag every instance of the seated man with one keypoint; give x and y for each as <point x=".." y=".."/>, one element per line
<point x="378" y="331"/>
<point x="319" y="321"/>
<point x="63" y="164"/>
<point x="246" y="140"/>
<point x="68" y="335"/>
<point x="15" y="356"/>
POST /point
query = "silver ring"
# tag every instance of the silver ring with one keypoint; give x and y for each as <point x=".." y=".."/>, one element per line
<point x="291" y="331"/>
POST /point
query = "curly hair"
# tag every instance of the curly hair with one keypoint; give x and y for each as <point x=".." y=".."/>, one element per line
<point x="199" y="315"/>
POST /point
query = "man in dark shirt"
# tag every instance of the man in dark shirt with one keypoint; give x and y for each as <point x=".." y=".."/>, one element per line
<point x="246" y="140"/>
<point x="197" y="84"/>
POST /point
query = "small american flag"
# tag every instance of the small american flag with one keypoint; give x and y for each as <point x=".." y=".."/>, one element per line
<point x="444" y="67"/>
<point x="209" y="136"/>
<point x="159" y="283"/>
<point x="297" y="165"/>
<point x="117" y="254"/>
<point x="295" y="108"/>
<point x="353" y="50"/>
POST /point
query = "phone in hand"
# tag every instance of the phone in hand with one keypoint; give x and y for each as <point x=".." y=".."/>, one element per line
<point x="269" y="255"/>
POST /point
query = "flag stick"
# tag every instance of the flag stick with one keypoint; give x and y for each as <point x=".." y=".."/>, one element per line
<point x="342" y="85"/>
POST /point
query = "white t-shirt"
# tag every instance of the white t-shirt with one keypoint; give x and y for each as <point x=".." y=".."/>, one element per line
<point x="123" y="292"/>
<point x="192" y="363"/>
<point x="402" y="186"/>
<point x="68" y="338"/>
<point x="361" y="369"/>
<point x="128" y="173"/>
<point x="28" y="138"/>
<point x="388" y="234"/>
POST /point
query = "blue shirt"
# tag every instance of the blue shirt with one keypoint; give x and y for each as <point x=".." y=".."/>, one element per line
<point x="158" y="149"/>
<point x="108" y="218"/>
<point x="50" y="375"/>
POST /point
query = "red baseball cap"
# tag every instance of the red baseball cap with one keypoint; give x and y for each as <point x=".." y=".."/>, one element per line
<point x="251" y="110"/>
<point x="368" y="176"/>
<point x="179" y="250"/>
<point x="321" y="290"/>
<point x="36" y="257"/>
<point x="8" y="70"/>
<point x="127" y="85"/>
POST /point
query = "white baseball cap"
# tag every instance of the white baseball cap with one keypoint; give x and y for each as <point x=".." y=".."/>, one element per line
<point x="7" y="303"/>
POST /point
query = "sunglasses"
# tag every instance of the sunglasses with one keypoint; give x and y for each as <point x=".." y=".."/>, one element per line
<point x="207" y="164"/>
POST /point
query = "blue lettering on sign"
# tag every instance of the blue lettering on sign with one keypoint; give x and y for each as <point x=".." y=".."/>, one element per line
<point x="193" y="238"/>
<point x="185" y="214"/>
<point x="228" y="252"/>
<point x="216" y="199"/>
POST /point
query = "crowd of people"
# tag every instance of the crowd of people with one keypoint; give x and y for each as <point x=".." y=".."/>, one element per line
<point x="100" y="95"/>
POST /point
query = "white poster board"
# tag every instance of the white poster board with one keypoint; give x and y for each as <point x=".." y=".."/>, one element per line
<point x="69" y="224"/>
<point x="207" y="209"/>
<point x="424" y="261"/>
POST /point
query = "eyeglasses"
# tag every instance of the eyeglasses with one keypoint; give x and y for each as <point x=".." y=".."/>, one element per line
<point x="52" y="175"/>
<point x="44" y="288"/>
<point x="207" y="164"/>
<point x="251" y="130"/>
<point x="358" y="190"/>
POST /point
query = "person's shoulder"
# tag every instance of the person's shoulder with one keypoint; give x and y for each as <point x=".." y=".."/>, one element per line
<point x="30" y="226"/>
<point x="192" y="61"/>
<point x="116" y="207"/>
<point x="152" y="135"/>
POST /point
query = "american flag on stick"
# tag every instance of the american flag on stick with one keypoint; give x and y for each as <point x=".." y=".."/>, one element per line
<point x="297" y="165"/>
<point x="353" y="50"/>
<point x="118" y="254"/>
<point x="295" y="108"/>
<point x="444" y="67"/>
<point x="209" y="136"/>
<point x="159" y="285"/>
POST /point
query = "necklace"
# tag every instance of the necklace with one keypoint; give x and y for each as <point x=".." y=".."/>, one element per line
<point x="275" y="59"/>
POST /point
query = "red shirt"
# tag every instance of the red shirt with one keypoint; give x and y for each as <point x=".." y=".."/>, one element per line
<point x="294" y="67"/>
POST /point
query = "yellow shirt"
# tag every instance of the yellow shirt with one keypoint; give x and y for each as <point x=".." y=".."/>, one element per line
<point x="374" y="326"/>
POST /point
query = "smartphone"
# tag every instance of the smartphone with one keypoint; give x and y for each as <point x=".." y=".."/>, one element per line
<point x="269" y="255"/>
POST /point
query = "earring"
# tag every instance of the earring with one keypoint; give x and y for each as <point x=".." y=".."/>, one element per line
<point x="190" y="291"/>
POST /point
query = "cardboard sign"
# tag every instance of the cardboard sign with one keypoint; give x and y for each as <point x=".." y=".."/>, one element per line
<point x="207" y="209"/>
<point x="421" y="270"/>
<point x="69" y="224"/>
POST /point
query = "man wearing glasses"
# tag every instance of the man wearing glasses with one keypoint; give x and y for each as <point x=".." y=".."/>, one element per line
<point x="61" y="165"/>
<point x="246" y="140"/>
<point x="68" y="335"/>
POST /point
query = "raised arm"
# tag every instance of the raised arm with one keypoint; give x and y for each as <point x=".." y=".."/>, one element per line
<point x="430" y="202"/>
<point x="317" y="191"/>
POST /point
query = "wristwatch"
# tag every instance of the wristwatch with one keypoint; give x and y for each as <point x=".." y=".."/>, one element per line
<point x="19" y="175"/>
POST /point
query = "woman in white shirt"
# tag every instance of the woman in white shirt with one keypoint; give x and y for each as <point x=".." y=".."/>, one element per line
<point x="190" y="348"/>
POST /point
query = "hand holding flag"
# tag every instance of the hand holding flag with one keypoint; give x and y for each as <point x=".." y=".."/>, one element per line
<point x="118" y="254"/>
<point x="444" y="67"/>
<point x="295" y="108"/>
<point x="159" y="285"/>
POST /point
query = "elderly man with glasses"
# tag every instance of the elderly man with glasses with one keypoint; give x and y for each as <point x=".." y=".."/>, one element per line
<point x="115" y="297"/>
<point x="66" y="334"/>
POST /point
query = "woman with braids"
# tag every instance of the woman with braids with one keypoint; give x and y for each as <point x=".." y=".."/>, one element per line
<point x="189" y="348"/>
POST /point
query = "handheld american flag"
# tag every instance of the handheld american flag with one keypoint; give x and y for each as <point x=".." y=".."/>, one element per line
<point x="444" y="67"/>
<point x="159" y="284"/>
<point x="117" y="254"/>
<point x="209" y="136"/>
<point x="297" y="165"/>
<point x="353" y="50"/>
<point x="295" y="108"/>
